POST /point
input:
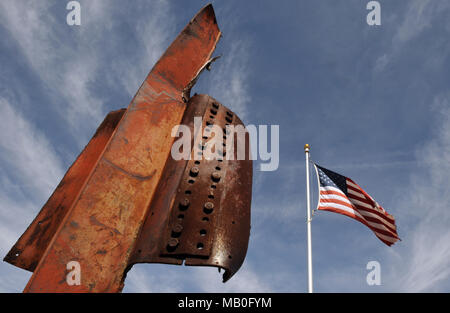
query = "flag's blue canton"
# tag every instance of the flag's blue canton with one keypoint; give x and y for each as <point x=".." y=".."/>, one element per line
<point x="330" y="178"/>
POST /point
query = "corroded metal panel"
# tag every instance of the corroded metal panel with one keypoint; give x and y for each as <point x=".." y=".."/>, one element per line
<point x="202" y="215"/>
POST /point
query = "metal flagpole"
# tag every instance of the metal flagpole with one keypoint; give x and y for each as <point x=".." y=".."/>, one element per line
<point x="308" y="222"/>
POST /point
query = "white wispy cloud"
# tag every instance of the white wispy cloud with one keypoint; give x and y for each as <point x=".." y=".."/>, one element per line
<point x="417" y="18"/>
<point x="30" y="171"/>
<point x="65" y="66"/>
<point x="422" y="261"/>
<point x="228" y="81"/>
<point x="153" y="35"/>
<point x="425" y="265"/>
<point x="70" y="61"/>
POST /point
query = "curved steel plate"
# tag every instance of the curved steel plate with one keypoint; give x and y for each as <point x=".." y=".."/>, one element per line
<point x="201" y="211"/>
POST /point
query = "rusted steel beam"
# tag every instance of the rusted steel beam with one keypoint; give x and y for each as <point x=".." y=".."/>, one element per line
<point x="125" y="200"/>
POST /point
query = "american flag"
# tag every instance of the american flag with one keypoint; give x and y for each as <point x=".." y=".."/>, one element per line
<point x="342" y="195"/>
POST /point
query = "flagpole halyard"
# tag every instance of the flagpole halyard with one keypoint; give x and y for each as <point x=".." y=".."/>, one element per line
<point x="308" y="222"/>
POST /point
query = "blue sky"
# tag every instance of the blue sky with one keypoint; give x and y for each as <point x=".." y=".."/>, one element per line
<point x="373" y="103"/>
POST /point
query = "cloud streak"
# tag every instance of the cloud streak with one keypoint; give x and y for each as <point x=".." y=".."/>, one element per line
<point x="71" y="61"/>
<point x="30" y="158"/>
<point x="30" y="171"/>
<point x="228" y="80"/>
<point x="418" y="17"/>
<point x="426" y="262"/>
<point x="65" y="66"/>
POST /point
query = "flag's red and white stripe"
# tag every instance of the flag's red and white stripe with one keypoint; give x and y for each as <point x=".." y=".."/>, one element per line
<point x="360" y="206"/>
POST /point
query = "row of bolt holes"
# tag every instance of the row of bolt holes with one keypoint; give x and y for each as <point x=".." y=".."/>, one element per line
<point x="209" y="206"/>
<point x="228" y="118"/>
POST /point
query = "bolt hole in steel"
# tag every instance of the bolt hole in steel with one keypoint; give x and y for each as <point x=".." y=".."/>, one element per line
<point x="205" y="219"/>
<point x="211" y="196"/>
<point x="178" y="228"/>
<point x="218" y="168"/>
<point x="228" y="119"/>
<point x="200" y="246"/>
<point x="229" y="114"/>
<point x="172" y="244"/>
<point x="213" y="111"/>
<point x="205" y="137"/>
<point x="197" y="162"/>
<point x="213" y="186"/>
<point x="208" y="207"/>
<point x="194" y="171"/>
<point x="215" y="177"/>
<point x="215" y="105"/>
<point x="203" y="232"/>
<point x="180" y="216"/>
<point x="184" y="204"/>
<point x="191" y="181"/>
<point x="188" y="192"/>
<point x="176" y="231"/>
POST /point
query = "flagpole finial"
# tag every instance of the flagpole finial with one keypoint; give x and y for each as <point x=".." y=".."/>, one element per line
<point x="306" y="148"/>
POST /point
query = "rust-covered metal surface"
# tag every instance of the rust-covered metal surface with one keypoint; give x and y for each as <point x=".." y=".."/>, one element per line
<point x="201" y="211"/>
<point x="125" y="200"/>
